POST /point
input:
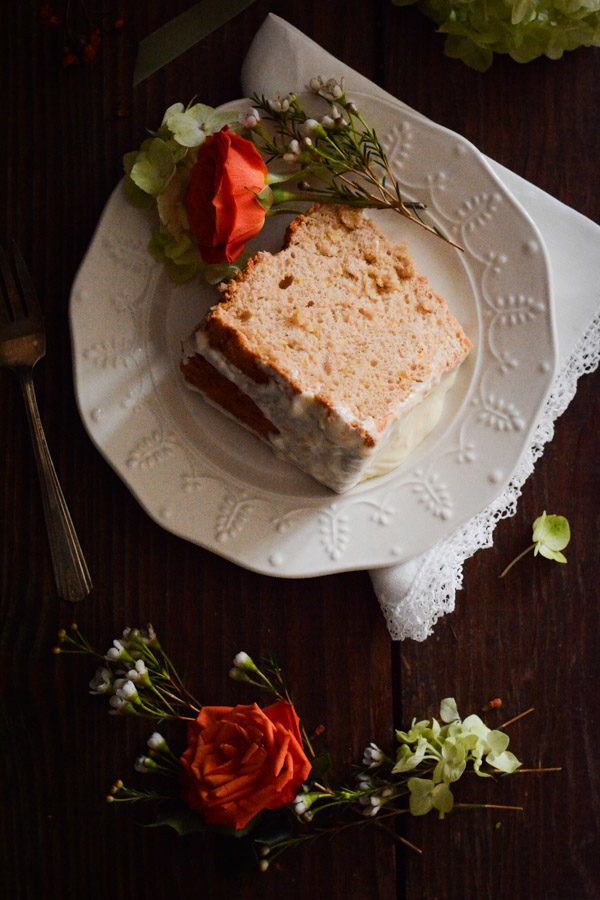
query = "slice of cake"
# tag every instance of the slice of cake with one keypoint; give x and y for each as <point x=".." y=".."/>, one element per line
<point x="335" y="350"/>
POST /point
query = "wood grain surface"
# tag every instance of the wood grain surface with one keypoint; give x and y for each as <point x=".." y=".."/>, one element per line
<point x="531" y="639"/>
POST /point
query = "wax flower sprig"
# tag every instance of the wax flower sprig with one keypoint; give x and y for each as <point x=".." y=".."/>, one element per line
<point x="338" y="156"/>
<point x="551" y="534"/>
<point x="253" y="773"/>
<point x="136" y="675"/>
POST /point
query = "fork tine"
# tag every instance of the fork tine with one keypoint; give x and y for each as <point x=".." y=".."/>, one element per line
<point x="11" y="309"/>
<point x="28" y="291"/>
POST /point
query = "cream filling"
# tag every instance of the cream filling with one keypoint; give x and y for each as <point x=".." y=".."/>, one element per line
<point x="407" y="432"/>
<point x="324" y="442"/>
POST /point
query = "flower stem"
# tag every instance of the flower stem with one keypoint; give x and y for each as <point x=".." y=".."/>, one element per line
<point x="486" y="806"/>
<point x="520" y="716"/>
<point x="516" y="560"/>
<point x="398" y="837"/>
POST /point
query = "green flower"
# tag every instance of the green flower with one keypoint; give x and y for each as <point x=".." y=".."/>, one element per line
<point x="152" y="167"/>
<point x="551" y="534"/>
<point x="505" y="762"/>
<point x="415" y="732"/>
<point x="191" y="126"/>
<point x="407" y="759"/>
<point x="453" y="762"/>
<point x="426" y="795"/>
<point x="448" y="710"/>
<point x="180" y="257"/>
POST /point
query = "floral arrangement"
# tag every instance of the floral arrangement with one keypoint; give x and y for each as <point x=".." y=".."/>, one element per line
<point x="253" y="773"/>
<point x="214" y="176"/>
<point x="523" y="29"/>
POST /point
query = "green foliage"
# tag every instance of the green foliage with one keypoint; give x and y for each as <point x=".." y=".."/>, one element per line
<point x="524" y="29"/>
<point x="181" y="819"/>
<point x="180" y="257"/>
<point x="321" y="766"/>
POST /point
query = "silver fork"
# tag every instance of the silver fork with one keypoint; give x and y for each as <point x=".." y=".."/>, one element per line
<point x="22" y="345"/>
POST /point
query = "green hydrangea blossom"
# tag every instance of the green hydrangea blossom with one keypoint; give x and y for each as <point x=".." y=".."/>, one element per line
<point x="452" y="747"/>
<point x="523" y="29"/>
<point x="426" y="795"/>
<point x="551" y="534"/>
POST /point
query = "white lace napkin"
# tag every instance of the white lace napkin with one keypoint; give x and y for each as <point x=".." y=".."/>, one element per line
<point x="415" y="594"/>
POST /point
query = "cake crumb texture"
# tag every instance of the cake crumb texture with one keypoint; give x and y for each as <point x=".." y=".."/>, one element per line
<point x="343" y="315"/>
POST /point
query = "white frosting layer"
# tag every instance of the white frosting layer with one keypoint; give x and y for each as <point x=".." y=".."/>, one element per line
<point x="326" y="443"/>
<point x="406" y="432"/>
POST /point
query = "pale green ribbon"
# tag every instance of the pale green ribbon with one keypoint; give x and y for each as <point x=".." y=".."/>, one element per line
<point x="182" y="32"/>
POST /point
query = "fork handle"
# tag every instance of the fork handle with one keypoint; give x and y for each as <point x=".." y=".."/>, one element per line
<point x="70" y="569"/>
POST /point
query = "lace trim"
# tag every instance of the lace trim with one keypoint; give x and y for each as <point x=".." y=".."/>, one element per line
<point x="440" y="570"/>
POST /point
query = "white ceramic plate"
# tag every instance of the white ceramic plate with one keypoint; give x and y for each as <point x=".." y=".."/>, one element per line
<point x="208" y="480"/>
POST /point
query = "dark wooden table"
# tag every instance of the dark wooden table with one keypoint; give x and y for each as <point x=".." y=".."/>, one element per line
<point x="531" y="639"/>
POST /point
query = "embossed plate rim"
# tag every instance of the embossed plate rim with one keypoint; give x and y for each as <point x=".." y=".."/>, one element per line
<point x="147" y="433"/>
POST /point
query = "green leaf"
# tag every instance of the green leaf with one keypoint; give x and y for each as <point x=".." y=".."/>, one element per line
<point x="275" y="826"/>
<point x="182" y="819"/>
<point x="218" y="272"/>
<point x="248" y="829"/>
<point x="171" y="40"/>
<point x="321" y="765"/>
<point x="187" y="821"/>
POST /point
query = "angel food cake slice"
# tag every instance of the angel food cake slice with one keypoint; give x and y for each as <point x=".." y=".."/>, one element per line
<point x="336" y="351"/>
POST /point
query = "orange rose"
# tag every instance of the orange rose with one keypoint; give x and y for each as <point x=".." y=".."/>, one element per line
<point x="222" y="208"/>
<point x="243" y="759"/>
